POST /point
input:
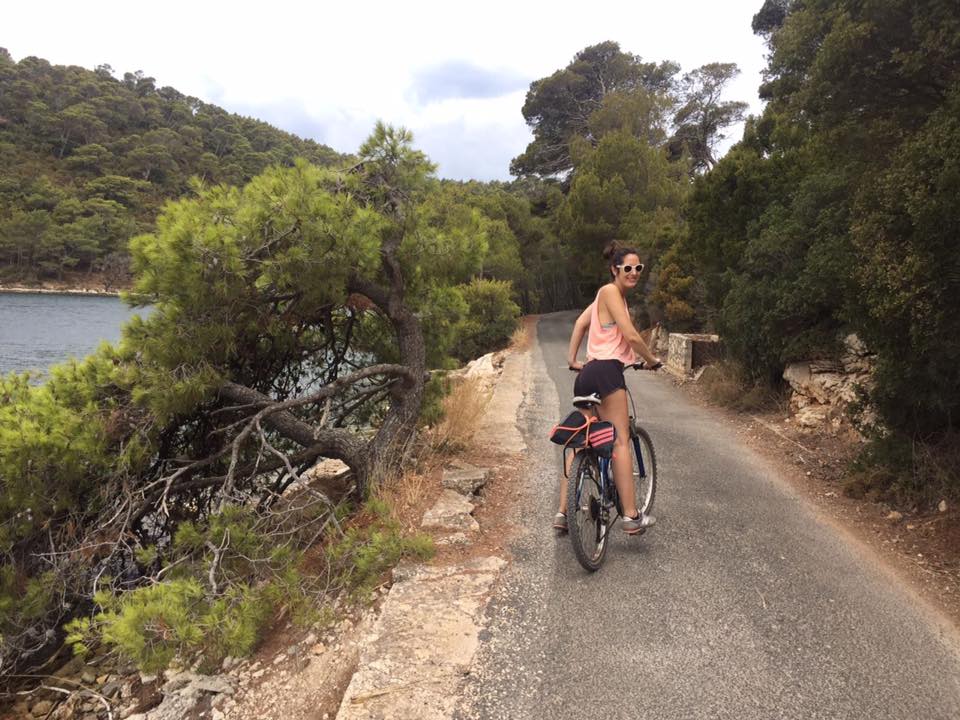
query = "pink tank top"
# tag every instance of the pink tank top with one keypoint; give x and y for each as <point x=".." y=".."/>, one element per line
<point x="607" y="343"/>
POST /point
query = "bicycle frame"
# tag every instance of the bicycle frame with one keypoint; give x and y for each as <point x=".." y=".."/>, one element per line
<point x="608" y="488"/>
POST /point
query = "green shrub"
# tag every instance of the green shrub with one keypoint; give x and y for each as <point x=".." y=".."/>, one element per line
<point x="372" y="546"/>
<point x="435" y="390"/>
<point x="154" y="624"/>
<point x="491" y="318"/>
<point x="259" y="574"/>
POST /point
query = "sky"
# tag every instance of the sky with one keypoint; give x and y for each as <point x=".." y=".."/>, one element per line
<point x="455" y="74"/>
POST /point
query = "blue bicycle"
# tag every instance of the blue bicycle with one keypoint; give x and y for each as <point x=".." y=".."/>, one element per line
<point x="592" y="500"/>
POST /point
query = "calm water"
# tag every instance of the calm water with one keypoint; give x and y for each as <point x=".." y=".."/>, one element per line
<point x="38" y="330"/>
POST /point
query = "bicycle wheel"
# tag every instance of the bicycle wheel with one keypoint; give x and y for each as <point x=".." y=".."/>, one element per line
<point x="644" y="470"/>
<point x="586" y="516"/>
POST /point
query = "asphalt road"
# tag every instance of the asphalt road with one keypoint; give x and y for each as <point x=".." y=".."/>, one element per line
<point x="740" y="603"/>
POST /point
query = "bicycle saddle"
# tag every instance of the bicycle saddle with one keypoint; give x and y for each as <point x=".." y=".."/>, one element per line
<point x="585" y="401"/>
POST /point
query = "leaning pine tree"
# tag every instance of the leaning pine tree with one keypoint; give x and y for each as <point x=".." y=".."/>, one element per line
<point x="147" y="482"/>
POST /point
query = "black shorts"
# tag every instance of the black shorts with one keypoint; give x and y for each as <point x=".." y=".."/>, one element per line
<point x="601" y="377"/>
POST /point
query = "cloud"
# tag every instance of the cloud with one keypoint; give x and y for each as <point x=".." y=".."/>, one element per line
<point x="461" y="79"/>
<point x="474" y="151"/>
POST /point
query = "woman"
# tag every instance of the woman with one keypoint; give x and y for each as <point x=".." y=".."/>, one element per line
<point x="612" y="343"/>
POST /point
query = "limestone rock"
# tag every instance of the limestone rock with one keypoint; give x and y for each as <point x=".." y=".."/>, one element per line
<point x="404" y="674"/>
<point x="452" y="511"/>
<point x="482" y="368"/>
<point x="812" y="416"/>
<point x="822" y="389"/>
<point x="456" y="539"/>
<point x="466" y="479"/>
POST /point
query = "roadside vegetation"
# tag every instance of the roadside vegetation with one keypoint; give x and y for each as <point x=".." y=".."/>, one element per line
<point x="156" y="494"/>
<point x="837" y="213"/>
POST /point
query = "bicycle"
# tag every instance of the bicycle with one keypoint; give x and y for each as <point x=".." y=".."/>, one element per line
<point x="592" y="499"/>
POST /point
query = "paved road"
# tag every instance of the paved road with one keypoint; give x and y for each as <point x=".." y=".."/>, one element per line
<point x="740" y="604"/>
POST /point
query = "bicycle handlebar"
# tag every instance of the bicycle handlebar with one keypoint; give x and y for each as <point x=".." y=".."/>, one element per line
<point x="642" y="365"/>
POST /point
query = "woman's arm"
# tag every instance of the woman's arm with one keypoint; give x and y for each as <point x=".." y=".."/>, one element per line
<point x="576" y="337"/>
<point x="617" y="309"/>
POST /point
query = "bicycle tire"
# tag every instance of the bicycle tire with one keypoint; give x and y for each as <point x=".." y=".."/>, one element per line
<point x="586" y="517"/>
<point x="645" y="483"/>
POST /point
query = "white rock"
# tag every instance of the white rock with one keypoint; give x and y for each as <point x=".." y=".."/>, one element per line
<point x="452" y="511"/>
<point x="465" y="479"/>
<point x="942" y="507"/>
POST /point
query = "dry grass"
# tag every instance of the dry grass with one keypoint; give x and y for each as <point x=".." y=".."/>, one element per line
<point x="907" y="474"/>
<point x="724" y="383"/>
<point x="522" y="337"/>
<point x="462" y="410"/>
<point x="939" y="466"/>
<point x="406" y="495"/>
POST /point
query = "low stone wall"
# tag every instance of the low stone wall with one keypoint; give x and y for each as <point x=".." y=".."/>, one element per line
<point x="822" y="390"/>
<point x="687" y="351"/>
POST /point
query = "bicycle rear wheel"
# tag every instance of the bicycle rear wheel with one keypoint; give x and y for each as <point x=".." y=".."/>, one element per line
<point x="586" y="516"/>
<point x="644" y="470"/>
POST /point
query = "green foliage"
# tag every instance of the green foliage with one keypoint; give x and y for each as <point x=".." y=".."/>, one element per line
<point x="909" y="272"/>
<point x="431" y="410"/>
<point x="276" y="289"/>
<point x="54" y="445"/>
<point x="490" y="320"/>
<point x="623" y="189"/>
<point x="558" y="108"/>
<point x="837" y="213"/>
<point x="702" y="116"/>
<point x="154" y="624"/>
<point x="256" y="565"/>
<point x="71" y="134"/>
<point x="373" y="544"/>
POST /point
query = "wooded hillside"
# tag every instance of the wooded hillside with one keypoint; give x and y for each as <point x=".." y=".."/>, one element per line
<point x="87" y="159"/>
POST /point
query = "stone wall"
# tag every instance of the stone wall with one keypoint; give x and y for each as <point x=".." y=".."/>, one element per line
<point x="822" y="390"/>
<point x="686" y="352"/>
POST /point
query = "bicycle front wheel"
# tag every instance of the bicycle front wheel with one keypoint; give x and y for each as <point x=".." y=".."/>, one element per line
<point x="644" y="470"/>
<point x="586" y="515"/>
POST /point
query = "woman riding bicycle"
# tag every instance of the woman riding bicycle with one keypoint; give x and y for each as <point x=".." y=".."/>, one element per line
<point x="612" y="343"/>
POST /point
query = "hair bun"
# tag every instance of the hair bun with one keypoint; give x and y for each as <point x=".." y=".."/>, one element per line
<point x="611" y="250"/>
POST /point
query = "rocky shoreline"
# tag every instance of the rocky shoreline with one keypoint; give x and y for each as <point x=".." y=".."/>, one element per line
<point x="57" y="291"/>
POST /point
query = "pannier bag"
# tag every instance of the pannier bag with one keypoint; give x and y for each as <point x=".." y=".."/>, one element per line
<point x="578" y="431"/>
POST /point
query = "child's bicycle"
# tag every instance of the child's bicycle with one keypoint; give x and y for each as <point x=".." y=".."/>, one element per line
<point x="592" y="500"/>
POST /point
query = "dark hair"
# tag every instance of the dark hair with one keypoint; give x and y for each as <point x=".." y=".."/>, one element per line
<point x="615" y="252"/>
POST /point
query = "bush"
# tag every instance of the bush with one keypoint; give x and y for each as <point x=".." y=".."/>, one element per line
<point x="259" y="573"/>
<point x="373" y="544"/>
<point x="894" y="469"/>
<point x="727" y="383"/>
<point x="491" y="318"/>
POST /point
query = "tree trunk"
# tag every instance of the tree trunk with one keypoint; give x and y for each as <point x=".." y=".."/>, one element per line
<point x="386" y="450"/>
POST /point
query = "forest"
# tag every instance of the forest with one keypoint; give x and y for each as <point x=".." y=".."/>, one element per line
<point x="87" y="161"/>
<point x="306" y="303"/>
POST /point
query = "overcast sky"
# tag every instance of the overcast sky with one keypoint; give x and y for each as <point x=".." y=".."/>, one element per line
<point x="454" y="73"/>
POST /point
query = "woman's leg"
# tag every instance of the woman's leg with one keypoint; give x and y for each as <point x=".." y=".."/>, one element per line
<point x="567" y="462"/>
<point x="613" y="408"/>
